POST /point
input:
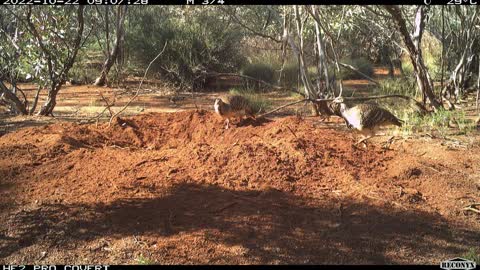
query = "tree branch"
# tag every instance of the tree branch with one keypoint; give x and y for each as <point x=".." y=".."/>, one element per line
<point x="139" y="86"/>
<point x="237" y="20"/>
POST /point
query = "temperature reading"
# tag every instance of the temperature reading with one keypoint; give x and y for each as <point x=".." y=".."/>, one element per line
<point x="459" y="2"/>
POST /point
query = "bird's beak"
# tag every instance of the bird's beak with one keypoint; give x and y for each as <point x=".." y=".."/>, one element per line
<point x="338" y="100"/>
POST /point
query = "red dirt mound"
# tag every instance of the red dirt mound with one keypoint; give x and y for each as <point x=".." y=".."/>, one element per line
<point x="194" y="147"/>
<point x="260" y="192"/>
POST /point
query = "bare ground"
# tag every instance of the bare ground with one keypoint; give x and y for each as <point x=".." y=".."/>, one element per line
<point x="176" y="188"/>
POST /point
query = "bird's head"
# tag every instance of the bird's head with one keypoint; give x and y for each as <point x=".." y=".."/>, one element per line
<point x="338" y="104"/>
<point x="338" y="100"/>
<point x="218" y="103"/>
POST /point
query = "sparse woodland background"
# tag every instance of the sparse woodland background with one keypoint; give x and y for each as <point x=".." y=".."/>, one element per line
<point x="431" y="53"/>
<point x="171" y="185"/>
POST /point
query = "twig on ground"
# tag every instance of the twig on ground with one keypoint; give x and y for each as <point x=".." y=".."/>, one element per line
<point x="429" y="166"/>
<point x="150" y="160"/>
<point x="108" y="104"/>
<point x="119" y="147"/>
<point x="292" y="132"/>
<point x="472" y="208"/>
<point x="283" y="106"/>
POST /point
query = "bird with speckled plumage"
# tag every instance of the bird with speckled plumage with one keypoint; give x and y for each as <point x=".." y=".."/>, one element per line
<point x="366" y="118"/>
<point x="235" y="106"/>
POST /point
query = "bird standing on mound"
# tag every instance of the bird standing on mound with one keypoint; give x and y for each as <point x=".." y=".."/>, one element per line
<point x="236" y="106"/>
<point x="366" y="118"/>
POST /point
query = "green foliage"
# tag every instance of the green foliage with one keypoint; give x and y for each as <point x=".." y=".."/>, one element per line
<point x="431" y="53"/>
<point x="144" y="261"/>
<point x="398" y="86"/>
<point x="290" y="75"/>
<point x="259" y="103"/>
<point x="407" y="67"/>
<point x="296" y="95"/>
<point x="443" y="121"/>
<point x="465" y="125"/>
<point x="55" y="38"/>
<point x="362" y="64"/>
<point x="195" y="37"/>
<point x="87" y="67"/>
<point x="432" y="61"/>
<point x="259" y="71"/>
<point x="40" y="45"/>
<point x="472" y="255"/>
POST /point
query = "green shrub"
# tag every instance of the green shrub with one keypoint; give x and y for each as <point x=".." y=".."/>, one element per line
<point x="291" y="72"/>
<point x="439" y="121"/>
<point x="431" y="53"/>
<point x="259" y="71"/>
<point x="190" y="45"/>
<point x="142" y="260"/>
<point x="259" y="103"/>
<point x="472" y="255"/>
<point x="431" y="62"/>
<point x="362" y="64"/>
<point x="398" y="86"/>
<point x="290" y="75"/>
<point x="407" y="66"/>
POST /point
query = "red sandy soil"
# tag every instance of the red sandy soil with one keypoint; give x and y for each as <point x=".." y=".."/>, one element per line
<point x="177" y="188"/>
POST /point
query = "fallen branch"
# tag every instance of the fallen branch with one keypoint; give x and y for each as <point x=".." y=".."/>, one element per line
<point x="283" y="106"/>
<point x="94" y="118"/>
<point x="139" y="87"/>
<point x="472" y="208"/>
<point x="429" y="167"/>
<point x="292" y="132"/>
<point x="354" y="69"/>
<point x="108" y="104"/>
<point x="422" y="108"/>
<point x="150" y="160"/>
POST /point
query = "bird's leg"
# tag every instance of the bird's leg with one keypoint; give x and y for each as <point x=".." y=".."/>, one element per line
<point x="227" y="123"/>
<point x="366" y="134"/>
<point x="386" y="145"/>
<point x="364" y="140"/>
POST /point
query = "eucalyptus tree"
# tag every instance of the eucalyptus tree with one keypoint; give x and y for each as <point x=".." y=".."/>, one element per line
<point x="371" y="28"/>
<point x="11" y="47"/>
<point x="42" y="43"/>
<point x="412" y="40"/>
<point x="458" y="29"/>
<point x="112" y="48"/>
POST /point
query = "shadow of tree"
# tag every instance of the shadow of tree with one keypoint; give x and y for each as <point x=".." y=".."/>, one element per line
<point x="270" y="226"/>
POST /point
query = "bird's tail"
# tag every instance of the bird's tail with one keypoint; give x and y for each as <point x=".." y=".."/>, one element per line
<point x="393" y="119"/>
<point x="397" y="122"/>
